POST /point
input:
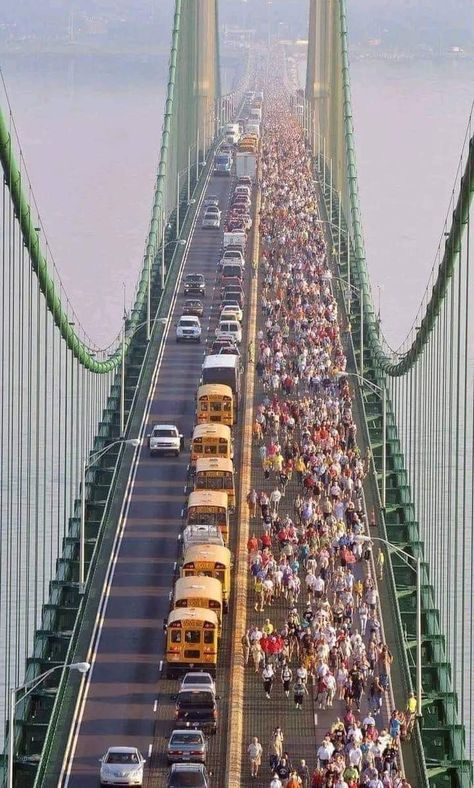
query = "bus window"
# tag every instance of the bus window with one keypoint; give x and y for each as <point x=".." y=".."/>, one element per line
<point x="192" y="636"/>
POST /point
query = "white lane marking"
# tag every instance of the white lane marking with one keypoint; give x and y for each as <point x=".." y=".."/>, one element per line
<point x="182" y="512"/>
<point x="175" y="565"/>
<point x="170" y="595"/>
<point x="150" y="750"/>
<point x="184" y="488"/>
<point x="155" y="706"/>
<point x="315" y="720"/>
<point x="161" y="665"/>
<point x="71" y="745"/>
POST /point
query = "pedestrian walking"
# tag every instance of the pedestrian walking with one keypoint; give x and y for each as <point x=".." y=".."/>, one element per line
<point x="255" y="752"/>
<point x="275" y="750"/>
<point x="286" y="678"/>
<point x="268" y="675"/>
<point x="303" y="774"/>
<point x="246" y="647"/>
<point x="299" y="690"/>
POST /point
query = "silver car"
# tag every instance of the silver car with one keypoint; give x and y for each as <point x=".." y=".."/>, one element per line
<point x="198" y="680"/>
<point x="122" y="766"/>
<point x="187" y="745"/>
<point x="212" y="218"/>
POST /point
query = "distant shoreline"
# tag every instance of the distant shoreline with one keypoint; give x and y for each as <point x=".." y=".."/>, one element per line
<point x="81" y="49"/>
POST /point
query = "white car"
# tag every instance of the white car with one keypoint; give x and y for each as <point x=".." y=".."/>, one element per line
<point x="231" y="312"/>
<point x="211" y="218"/>
<point x="188" y="329"/>
<point x="165" y="438"/>
<point x="122" y="766"/>
<point x="197" y="680"/>
<point x="229" y="328"/>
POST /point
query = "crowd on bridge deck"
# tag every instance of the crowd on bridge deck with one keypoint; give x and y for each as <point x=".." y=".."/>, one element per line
<point x="316" y="626"/>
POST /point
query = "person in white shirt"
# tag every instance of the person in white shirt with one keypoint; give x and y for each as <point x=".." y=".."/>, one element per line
<point x="325" y="752"/>
<point x="277" y="783"/>
<point x="355" y="756"/>
<point x="275" y="498"/>
<point x="267" y="676"/>
<point x="255" y="751"/>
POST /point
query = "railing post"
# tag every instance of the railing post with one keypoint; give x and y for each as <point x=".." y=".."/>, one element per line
<point x="189" y="174"/>
<point x="361" y="356"/>
<point x="82" y="527"/>
<point x="324" y="167"/>
<point x="384" y="447"/>
<point x="177" y="207"/>
<point x="330" y="192"/>
<point x="122" y="381"/>
<point x="418" y="636"/>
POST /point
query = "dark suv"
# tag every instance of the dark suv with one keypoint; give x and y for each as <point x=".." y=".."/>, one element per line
<point x="194" y="283"/>
<point x="188" y="775"/>
<point x="196" y="708"/>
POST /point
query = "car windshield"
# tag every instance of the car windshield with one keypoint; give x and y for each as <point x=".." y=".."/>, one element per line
<point x="186" y="738"/>
<point x="194" y="278"/>
<point x="196" y="678"/>
<point x="163" y="433"/>
<point x="122" y="757"/>
<point x="197" y="698"/>
<point x="188" y="321"/>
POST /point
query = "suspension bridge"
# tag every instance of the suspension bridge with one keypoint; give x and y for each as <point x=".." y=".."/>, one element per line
<point x="77" y="583"/>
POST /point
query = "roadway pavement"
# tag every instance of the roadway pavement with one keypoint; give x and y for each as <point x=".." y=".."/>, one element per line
<point x="128" y="702"/>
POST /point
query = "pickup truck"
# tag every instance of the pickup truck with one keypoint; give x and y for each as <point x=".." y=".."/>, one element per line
<point x="165" y="438"/>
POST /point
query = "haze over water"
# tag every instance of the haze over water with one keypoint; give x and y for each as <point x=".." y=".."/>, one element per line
<point x="90" y="130"/>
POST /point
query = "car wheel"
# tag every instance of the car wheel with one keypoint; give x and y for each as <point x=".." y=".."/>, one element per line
<point x="176" y="454"/>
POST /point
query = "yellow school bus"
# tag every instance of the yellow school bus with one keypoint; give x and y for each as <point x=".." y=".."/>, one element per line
<point x="211" y="440"/>
<point x="209" y="507"/>
<point x="191" y="641"/>
<point x="209" y="560"/>
<point x="199" y="592"/>
<point x="215" y="473"/>
<point x="215" y="403"/>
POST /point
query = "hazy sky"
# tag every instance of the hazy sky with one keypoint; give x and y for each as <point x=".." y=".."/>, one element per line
<point x="402" y="22"/>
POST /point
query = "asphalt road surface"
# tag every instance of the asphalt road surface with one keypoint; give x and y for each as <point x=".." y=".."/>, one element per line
<point x="128" y="701"/>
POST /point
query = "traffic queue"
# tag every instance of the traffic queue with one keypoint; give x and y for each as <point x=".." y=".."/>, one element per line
<point x="201" y="595"/>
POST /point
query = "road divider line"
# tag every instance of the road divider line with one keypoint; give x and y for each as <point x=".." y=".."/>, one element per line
<point x="155" y="706"/>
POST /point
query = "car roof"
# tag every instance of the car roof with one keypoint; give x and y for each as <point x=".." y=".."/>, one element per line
<point x="194" y="276"/>
<point x="164" y="427"/>
<point x="189" y="731"/>
<point x="180" y="767"/>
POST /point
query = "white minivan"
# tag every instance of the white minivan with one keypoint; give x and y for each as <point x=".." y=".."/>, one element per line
<point x="229" y="328"/>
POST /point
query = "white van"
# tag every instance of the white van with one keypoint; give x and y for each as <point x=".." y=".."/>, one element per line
<point x="229" y="328"/>
<point x="188" y="329"/>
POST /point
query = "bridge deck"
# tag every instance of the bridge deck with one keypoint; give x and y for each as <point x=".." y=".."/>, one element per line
<point x="128" y="701"/>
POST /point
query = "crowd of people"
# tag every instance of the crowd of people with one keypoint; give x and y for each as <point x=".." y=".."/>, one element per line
<point x="316" y="630"/>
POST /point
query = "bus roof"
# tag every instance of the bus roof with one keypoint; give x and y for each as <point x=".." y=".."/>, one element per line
<point x="224" y="360"/>
<point x="208" y="498"/>
<point x="214" y="389"/>
<point x="214" y="464"/>
<point x="212" y="429"/>
<point x="207" y="552"/>
<point x="196" y="614"/>
<point x="200" y="586"/>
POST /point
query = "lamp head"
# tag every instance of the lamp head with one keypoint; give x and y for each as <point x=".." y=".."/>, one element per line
<point x="82" y="667"/>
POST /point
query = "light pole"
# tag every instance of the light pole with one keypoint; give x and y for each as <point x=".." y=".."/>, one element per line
<point x="416" y="562"/>
<point x="87" y="463"/>
<point x="360" y="295"/>
<point x="339" y="235"/>
<point x="380" y="392"/>
<point x="30" y="686"/>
